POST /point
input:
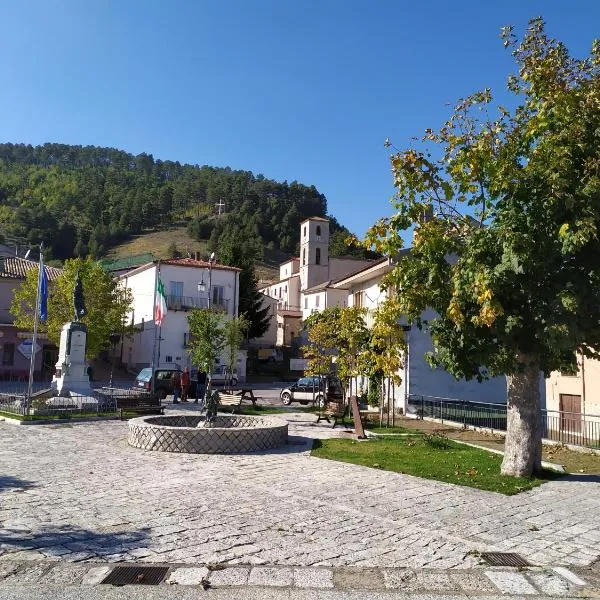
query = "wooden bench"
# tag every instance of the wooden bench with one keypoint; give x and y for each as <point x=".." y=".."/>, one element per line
<point x="233" y="400"/>
<point x="336" y="411"/>
<point x="149" y="405"/>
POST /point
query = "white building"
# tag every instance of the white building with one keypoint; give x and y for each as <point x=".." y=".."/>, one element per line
<point x="314" y="281"/>
<point x="181" y="278"/>
<point x="418" y="378"/>
<point x="304" y="282"/>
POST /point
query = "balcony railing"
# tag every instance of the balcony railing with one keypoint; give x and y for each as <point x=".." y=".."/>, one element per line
<point x="184" y="303"/>
<point x="285" y="306"/>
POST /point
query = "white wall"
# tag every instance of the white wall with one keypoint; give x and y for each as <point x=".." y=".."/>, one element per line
<point x="137" y="351"/>
<point x="339" y="267"/>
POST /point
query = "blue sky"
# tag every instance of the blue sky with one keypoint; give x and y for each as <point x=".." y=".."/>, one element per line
<point x="293" y="89"/>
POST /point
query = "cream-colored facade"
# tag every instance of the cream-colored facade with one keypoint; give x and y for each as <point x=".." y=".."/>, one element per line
<point x="576" y="394"/>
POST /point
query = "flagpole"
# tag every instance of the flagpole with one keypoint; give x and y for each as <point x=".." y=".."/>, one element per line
<point x="35" y="329"/>
<point x="156" y="275"/>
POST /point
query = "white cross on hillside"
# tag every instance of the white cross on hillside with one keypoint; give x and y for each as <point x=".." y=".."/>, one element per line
<point x="220" y="205"/>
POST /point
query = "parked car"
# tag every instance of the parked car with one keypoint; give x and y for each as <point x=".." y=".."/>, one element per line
<point x="162" y="381"/>
<point x="311" y="389"/>
<point x="220" y="376"/>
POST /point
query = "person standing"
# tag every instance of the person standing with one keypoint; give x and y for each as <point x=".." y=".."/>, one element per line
<point x="176" y="381"/>
<point x="200" y="387"/>
<point x="185" y="384"/>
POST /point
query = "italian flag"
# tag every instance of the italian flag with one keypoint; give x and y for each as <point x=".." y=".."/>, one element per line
<point x="160" y="306"/>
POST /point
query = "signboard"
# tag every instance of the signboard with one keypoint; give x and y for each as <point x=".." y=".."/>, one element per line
<point x="25" y="348"/>
<point x="298" y="364"/>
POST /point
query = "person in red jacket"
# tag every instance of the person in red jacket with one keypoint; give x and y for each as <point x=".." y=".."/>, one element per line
<point x="185" y="384"/>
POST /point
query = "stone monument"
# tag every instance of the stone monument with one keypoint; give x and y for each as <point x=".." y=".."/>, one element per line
<point x="71" y="377"/>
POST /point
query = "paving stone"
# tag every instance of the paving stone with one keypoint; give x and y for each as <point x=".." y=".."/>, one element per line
<point x="66" y="574"/>
<point x="95" y="575"/>
<point x="273" y="508"/>
<point x="8" y="568"/>
<point x="552" y="584"/>
<point x="472" y="581"/>
<point x="271" y="576"/>
<point x="313" y="578"/>
<point x="358" y="579"/>
<point x="233" y="576"/>
<point x="511" y="582"/>
<point x="187" y="576"/>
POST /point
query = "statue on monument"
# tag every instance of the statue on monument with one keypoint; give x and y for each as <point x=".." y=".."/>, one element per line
<point x="78" y="299"/>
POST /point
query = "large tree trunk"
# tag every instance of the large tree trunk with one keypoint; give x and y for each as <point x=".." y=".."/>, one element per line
<point x="523" y="446"/>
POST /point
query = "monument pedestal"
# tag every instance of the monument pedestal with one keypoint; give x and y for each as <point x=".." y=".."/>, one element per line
<point x="71" y="378"/>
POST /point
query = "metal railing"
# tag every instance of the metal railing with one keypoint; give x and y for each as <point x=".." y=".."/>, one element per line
<point x="569" y="428"/>
<point x="189" y="302"/>
<point x="102" y="400"/>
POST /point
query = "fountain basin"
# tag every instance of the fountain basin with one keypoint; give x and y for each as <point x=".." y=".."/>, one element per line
<point x="226" y="435"/>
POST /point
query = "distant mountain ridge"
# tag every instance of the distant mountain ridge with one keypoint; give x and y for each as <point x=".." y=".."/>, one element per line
<point x="83" y="200"/>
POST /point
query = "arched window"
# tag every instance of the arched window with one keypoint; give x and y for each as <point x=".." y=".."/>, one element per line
<point x="318" y="231"/>
<point x="318" y="256"/>
<point x="305" y="231"/>
<point x="303" y="256"/>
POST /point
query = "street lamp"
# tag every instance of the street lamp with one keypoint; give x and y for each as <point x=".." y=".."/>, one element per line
<point x="201" y="284"/>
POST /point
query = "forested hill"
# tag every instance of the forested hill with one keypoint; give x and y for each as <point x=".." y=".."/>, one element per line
<point x="84" y="200"/>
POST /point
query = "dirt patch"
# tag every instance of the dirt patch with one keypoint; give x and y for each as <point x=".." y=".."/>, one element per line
<point x="571" y="460"/>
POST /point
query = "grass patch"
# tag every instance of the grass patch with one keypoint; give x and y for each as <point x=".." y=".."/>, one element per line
<point x="388" y="430"/>
<point x="431" y="457"/>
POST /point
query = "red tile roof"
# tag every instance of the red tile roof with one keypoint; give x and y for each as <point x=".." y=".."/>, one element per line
<point x="14" y="267"/>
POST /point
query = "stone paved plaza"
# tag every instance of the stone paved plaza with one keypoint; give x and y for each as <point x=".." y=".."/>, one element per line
<point x="78" y="492"/>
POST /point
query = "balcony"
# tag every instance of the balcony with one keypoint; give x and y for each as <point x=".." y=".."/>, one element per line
<point x="186" y="303"/>
<point x="289" y="310"/>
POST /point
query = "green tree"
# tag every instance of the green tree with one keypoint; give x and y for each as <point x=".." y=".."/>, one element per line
<point x="235" y="333"/>
<point x="506" y="231"/>
<point x="243" y="254"/>
<point x="322" y="342"/>
<point x="107" y="304"/>
<point x="207" y="340"/>
<point x="352" y="338"/>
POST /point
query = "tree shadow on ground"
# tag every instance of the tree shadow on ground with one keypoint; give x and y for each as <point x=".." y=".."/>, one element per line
<point x="8" y="482"/>
<point x="70" y="543"/>
<point x="586" y="478"/>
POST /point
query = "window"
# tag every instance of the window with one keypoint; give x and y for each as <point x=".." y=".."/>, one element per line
<point x="317" y="300"/>
<point x="280" y="293"/>
<point x="318" y="256"/>
<point x="303" y="256"/>
<point x="358" y="299"/>
<point x="305" y="231"/>
<point x="176" y="288"/>
<point x="8" y="355"/>
<point x="217" y="295"/>
<point x="305" y="302"/>
<point x="318" y="232"/>
<point x="168" y="359"/>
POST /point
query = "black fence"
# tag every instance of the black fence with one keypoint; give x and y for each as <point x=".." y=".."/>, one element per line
<point x="102" y="400"/>
<point x="569" y="428"/>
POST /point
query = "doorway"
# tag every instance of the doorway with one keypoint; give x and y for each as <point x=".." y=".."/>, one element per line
<point x="570" y="412"/>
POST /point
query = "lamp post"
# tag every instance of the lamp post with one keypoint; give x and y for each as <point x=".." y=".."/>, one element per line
<point x="202" y="285"/>
<point x="211" y="260"/>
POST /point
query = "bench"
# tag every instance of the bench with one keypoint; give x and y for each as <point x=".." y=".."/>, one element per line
<point x="233" y="400"/>
<point x="335" y="410"/>
<point x="148" y="405"/>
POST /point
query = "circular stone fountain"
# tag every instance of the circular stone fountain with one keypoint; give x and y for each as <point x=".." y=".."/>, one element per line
<point x="225" y="435"/>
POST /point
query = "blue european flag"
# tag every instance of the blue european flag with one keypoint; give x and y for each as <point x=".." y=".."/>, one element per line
<point x="43" y="294"/>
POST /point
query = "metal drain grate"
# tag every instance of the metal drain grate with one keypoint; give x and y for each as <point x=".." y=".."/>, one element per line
<point x="136" y="575"/>
<point x="504" y="559"/>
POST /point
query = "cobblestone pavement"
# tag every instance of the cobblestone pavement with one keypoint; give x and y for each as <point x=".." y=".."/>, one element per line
<point x="78" y="492"/>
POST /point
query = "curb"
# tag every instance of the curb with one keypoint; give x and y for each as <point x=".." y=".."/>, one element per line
<point x="507" y="581"/>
